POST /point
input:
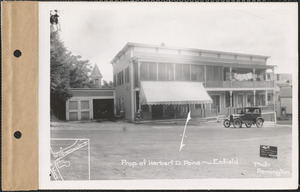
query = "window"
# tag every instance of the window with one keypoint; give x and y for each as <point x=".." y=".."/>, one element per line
<point x="115" y="80"/>
<point x="269" y="97"/>
<point x="214" y="73"/>
<point x="162" y="72"/>
<point x="120" y="78"/>
<point x="152" y="71"/>
<point x="240" y="101"/>
<point x="144" y="71"/>
<point x="73" y="105"/>
<point x="227" y="99"/>
<point x="248" y="111"/>
<point x="199" y="106"/>
<point x="178" y="72"/>
<point x="216" y="102"/>
<point x="127" y="75"/>
<point x="186" y="72"/>
<point x="85" y="104"/>
<point x="170" y="72"/>
<point x="256" y="111"/>
<point x="197" y="73"/>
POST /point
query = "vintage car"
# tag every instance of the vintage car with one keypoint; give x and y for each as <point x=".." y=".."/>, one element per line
<point x="248" y="116"/>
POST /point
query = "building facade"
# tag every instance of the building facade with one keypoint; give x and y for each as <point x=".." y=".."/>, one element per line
<point x="91" y="103"/>
<point x="88" y="104"/>
<point x="283" y="94"/>
<point x="167" y="82"/>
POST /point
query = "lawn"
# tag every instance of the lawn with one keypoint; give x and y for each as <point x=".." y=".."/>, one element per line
<point x="121" y="150"/>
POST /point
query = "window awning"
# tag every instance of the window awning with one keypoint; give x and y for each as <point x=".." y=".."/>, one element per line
<point x="172" y="92"/>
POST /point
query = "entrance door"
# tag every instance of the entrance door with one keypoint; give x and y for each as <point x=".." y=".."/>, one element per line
<point x="216" y="102"/>
<point x="103" y="108"/>
<point x="250" y="101"/>
<point x="240" y="102"/>
<point x="157" y="111"/>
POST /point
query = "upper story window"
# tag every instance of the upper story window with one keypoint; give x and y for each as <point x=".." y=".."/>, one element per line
<point x="170" y="72"/>
<point x="152" y="71"/>
<point x="186" y="72"/>
<point x="148" y="71"/>
<point x="162" y="72"/>
<point x="127" y="75"/>
<point x="214" y="73"/>
<point x="115" y="80"/>
<point x="178" y="72"/>
<point x="144" y="71"/>
<point x="197" y="73"/>
<point x="120" y="78"/>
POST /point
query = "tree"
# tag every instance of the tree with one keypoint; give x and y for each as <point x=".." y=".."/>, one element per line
<point x="107" y="84"/>
<point x="66" y="70"/>
<point x="59" y="76"/>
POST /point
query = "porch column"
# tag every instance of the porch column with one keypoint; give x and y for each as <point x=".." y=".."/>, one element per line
<point x="139" y="73"/>
<point x="139" y="80"/>
<point x="273" y="78"/>
<point x="157" y="71"/>
<point x="274" y="107"/>
<point x="253" y="71"/>
<point x="254" y="99"/>
<point x="230" y="98"/>
<point x="266" y="98"/>
<point x="174" y="72"/>
<point x="204" y="74"/>
<point x="230" y="79"/>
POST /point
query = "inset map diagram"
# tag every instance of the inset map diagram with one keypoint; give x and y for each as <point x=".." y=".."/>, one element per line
<point x="70" y="159"/>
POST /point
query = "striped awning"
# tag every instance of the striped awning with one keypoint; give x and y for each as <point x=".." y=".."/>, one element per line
<point x="173" y="93"/>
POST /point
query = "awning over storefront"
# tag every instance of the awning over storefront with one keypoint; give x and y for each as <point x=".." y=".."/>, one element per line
<point x="172" y="92"/>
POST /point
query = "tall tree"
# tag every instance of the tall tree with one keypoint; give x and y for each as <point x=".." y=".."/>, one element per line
<point x="66" y="70"/>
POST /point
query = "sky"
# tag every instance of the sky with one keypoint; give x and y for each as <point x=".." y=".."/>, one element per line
<point x="98" y="31"/>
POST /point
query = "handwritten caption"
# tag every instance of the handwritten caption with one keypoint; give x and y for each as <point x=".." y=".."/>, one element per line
<point x="147" y="162"/>
<point x="265" y="168"/>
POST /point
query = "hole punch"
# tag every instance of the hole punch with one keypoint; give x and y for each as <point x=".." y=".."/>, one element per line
<point x="17" y="53"/>
<point x="17" y="134"/>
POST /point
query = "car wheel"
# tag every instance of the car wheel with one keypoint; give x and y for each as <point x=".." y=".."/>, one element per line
<point x="248" y="125"/>
<point x="226" y="123"/>
<point x="259" y="123"/>
<point x="237" y="123"/>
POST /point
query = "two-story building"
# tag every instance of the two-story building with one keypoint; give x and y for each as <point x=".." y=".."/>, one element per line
<point x="167" y="82"/>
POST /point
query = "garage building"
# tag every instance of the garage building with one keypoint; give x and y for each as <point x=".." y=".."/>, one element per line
<point x="88" y="104"/>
